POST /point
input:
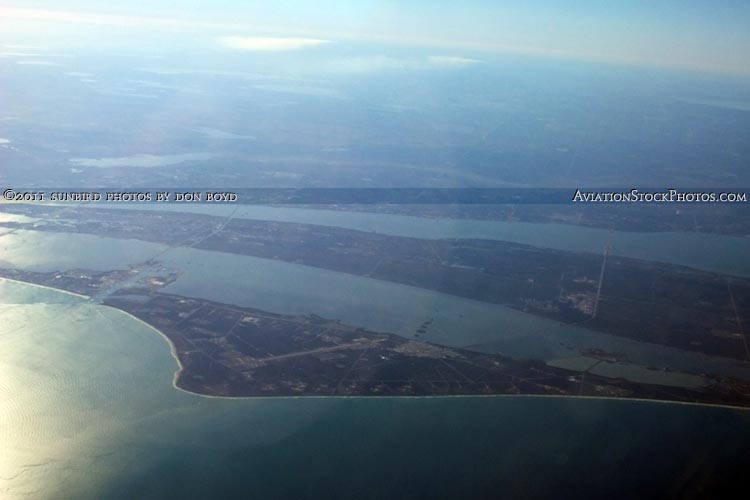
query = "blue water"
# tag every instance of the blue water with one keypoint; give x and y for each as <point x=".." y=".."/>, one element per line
<point x="88" y="411"/>
<point x="287" y="288"/>
<point x="709" y="252"/>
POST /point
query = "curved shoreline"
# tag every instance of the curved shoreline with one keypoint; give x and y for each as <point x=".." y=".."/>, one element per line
<point x="172" y="351"/>
<point x="60" y="290"/>
<point x="181" y="368"/>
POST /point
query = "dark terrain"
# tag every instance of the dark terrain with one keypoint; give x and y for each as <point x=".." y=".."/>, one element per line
<point x="235" y="351"/>
<point x="647" y="301"/>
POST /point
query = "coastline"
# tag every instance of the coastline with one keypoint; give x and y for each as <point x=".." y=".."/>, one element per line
<point x="180" y="370"/>
<point x="60" y="290"/>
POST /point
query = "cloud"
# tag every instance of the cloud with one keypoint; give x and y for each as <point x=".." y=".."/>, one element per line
<point x="30" y="54"/>
<point x="269" y="43"/>
<point x="452" y="61"/>
<point x="372" y="64"/>
<point x="300" y="89"/>
<point x="37" y="63"/>
<point x="531" y="31"/>
<point x="140" y="160"/>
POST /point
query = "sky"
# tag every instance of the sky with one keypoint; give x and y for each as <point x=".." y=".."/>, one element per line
<point x="710" y="35"/>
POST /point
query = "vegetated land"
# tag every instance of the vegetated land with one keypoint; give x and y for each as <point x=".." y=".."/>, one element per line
<point x="231" y="351"/>
<point x="651" y="302"/>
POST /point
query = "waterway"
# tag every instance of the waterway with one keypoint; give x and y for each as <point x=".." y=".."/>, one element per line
<point x="709" y="252"/>
<point x="88" y="411"/>
<point x="287" y="288"/>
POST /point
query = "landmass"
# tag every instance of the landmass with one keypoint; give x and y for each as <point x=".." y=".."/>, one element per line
<point x="721" y="219"/>
<point x="646" y="301"/>
<point x="231" y="351"/>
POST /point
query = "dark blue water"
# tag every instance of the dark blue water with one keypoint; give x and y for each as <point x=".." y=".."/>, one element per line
<point x="88" y="411"/>
<point x="468" y="448"/>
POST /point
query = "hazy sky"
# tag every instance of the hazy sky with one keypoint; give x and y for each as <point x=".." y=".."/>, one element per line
<point x="710" y="35"/>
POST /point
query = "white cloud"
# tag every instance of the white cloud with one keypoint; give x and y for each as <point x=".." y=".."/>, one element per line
<point x="215" y="133"/>
<point x="372" y="64"/>
<point x="30" y="54"/>
<point x="37" y="63"/>
<point x="452" y="61"/>
<point x="269" y="43"/>
<point x="14" y="46"/>
<point x="140" y="160"/>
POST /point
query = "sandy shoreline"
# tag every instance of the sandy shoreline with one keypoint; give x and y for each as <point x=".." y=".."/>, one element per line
<point x="178" y="373"/>
<point x="60" y="290"/>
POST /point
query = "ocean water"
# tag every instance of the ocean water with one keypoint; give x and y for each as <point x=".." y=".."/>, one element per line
<point x="88" y="411"/>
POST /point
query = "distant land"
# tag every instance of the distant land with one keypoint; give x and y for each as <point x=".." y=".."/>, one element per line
<point x="652" y="302"/>
<point x="227" y="350"/>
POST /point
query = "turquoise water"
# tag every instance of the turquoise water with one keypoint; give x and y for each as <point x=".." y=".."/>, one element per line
<point x="88" y="411"/>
